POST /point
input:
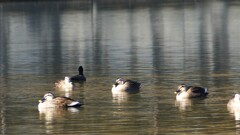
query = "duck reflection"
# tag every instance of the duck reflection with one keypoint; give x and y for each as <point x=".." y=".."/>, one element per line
<point x="183" y="104"/>
<point x="120" y="97"/>
<point x="49" y="115"/>
<point x="235" y="112"/>
<point x="126" y="107"/>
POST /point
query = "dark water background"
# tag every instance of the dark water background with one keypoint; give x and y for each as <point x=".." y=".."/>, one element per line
<point x="160" y="43"/>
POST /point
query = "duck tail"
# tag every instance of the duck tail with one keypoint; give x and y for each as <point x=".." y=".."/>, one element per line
<point x="74" y="104"/>
<point x="206" y="90"/>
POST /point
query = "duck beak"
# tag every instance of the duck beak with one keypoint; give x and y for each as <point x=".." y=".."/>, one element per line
<point x="41" y="101"/>
<point x="115" y="85"/>
<point x="176" y="92"/>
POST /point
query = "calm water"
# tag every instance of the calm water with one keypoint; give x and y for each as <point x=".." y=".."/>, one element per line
<point x="158" y="43"/>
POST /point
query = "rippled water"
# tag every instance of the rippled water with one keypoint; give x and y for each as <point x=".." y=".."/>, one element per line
<point x="158" y="43"/>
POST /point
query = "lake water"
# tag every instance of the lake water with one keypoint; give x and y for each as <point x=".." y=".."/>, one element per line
<point x="158" y="43"/>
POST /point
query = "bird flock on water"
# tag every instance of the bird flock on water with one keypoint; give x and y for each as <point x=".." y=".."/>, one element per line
<point x="122" y="85"/>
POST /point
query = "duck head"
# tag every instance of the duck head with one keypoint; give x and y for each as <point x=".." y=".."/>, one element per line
<point x="119" y="81"/>
<point x="47" y="97"/>
<point x="80" y="70"/>
<point x="237" y="97"/>
<point x="181" y="87"/>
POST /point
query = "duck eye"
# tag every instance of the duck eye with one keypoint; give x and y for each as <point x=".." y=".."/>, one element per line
<point x="116" y="84"/>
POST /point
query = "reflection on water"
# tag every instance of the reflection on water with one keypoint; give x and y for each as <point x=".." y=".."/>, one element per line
<point x="120" y="97"/>
<point x="124" y="97"/>
<point x="160" y="43"/>
<point x="235" y="111"/>
<point x="183" y="104"/>
<point x="51" y="115"/>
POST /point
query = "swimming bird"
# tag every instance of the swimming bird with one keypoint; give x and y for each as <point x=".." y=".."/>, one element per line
<point x="50" y="101"/>
<point x="234" y="102"/>
<point x="64" y="84"/>
<point x="122" y="85"/>
<point x="78" y="78"/>
<point x="233" y="106"/>
<point x="185" y="91"/>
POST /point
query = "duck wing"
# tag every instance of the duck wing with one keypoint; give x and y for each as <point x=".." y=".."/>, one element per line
<point x="133" y="83"/>
<point x="198" y="91"/>
<point x="66" y="102"/>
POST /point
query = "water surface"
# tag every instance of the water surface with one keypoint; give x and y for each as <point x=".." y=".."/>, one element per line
<point x="158" y="43"/>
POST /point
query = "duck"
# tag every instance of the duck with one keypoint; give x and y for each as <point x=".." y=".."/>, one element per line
<point x="234" y="102"/>
<point x="233" y="106"/>
<point x="50" y="101"/>
<point x="184" y="91"/>
<point x="78" y="78"/>
<point x="123" y="85"/>
<point x="65" y="84"/>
